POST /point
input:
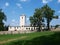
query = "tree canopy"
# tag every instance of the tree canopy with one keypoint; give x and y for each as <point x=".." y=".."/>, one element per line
<point x="2" y="18"/>
<point x="41" y="13"/>
<point x="37" y="18"/>
<point x="48" y="14"/>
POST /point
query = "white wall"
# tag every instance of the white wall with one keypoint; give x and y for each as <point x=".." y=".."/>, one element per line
<point x="21" y="28"/>
<point x="22" y="20"/>
<point x="14" y="28"/>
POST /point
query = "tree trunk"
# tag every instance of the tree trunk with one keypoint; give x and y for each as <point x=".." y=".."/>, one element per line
<point x="34" y="27"/>
<point x="48" y="24"/>
<point x="40" y="28"/>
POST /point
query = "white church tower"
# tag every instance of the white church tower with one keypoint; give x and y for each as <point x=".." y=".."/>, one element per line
<point x="22" y="20"/>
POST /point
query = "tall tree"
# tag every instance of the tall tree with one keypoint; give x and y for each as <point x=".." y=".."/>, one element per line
<point x="48" y="14"/>
<point x="37" y="18"/>
<point x="33" y="21"/>
<point x="2" y="18"/>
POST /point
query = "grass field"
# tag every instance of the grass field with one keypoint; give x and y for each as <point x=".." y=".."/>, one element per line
<point x="37" y="38"/>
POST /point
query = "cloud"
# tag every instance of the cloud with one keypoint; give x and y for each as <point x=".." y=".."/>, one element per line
<point x="58" y="1"/>
<point x="24" y="0"/>
<point x="27" y="19"/>
<point x="59" y="16"/>
<point x="58" y="11"/>
<point x="46" y="1"/>
<point x="13" y="20"/>
<point x="19" y="5"/>
<point x="6" y="4"/>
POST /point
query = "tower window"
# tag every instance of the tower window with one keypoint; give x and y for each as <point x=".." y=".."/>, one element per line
<point x="22" y="17"/>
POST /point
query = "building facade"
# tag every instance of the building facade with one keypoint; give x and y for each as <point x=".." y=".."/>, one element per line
<point x="22" y="25"/>
<point x="22" y="20"/>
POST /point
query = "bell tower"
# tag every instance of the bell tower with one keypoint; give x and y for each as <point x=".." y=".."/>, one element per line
<point x="22" y="20"/>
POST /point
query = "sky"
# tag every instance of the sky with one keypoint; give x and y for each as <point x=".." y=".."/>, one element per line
<point x="14" y="8"/>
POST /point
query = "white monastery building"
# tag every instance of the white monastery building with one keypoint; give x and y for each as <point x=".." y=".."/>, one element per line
<point x="22" y="25"/>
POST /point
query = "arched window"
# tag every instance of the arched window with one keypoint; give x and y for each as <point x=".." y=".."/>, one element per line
<point x="22" y="17"/>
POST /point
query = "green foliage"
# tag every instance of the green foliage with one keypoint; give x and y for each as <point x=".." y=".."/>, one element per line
<point x="33" y="21"/>
<point x="37" y="18"/>
<point x="2" y="18"/>
<point x="42" y="13"/>
<point x="48" y="14"/>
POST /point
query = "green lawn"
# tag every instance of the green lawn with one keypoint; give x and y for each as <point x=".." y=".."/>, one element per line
<point x="37" y="38"/>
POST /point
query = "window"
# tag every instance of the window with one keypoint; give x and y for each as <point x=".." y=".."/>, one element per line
<point x="22" y="17"/>
<point x="29" y="28"/>
<point x="26" y="28"/>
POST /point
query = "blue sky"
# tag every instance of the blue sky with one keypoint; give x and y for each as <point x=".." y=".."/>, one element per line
<point x="14" y="8"/>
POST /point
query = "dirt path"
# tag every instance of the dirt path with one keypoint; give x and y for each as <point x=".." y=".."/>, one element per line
<point x="23" y="37"/>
